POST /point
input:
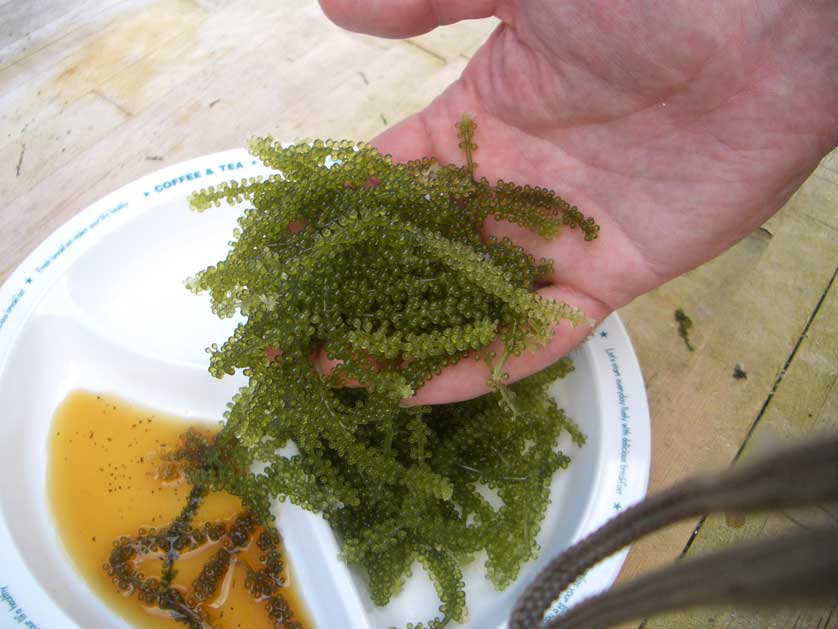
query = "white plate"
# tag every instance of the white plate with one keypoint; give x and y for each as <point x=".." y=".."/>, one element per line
<point x="100" y="305"/>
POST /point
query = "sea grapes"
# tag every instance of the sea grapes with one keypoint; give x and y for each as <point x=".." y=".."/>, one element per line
<point x="384" y="268"/>
<point x="187" y="605"/>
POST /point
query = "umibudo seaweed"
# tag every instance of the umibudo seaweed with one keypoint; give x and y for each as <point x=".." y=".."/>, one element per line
<point x="383" y="268"/>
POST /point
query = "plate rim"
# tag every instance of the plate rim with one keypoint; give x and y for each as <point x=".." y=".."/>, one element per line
<point x="42" y="267"/>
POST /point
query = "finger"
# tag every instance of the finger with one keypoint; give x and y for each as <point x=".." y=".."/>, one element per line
<point x="326" y="365"/>
<point x="403" y="18"/>
<point x="469" y="378"/>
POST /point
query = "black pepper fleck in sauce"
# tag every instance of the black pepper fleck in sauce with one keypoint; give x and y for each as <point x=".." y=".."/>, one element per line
<point x="112" y="469"/>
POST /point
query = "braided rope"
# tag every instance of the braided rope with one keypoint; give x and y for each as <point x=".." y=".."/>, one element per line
<point x="803" y="475"/>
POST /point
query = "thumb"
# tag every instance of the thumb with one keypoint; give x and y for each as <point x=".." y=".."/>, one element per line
<point x="403" y="18"/>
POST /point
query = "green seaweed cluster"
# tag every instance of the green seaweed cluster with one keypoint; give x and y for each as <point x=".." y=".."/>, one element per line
<point x="684" y="325"/>
<point x="383" y="268"/>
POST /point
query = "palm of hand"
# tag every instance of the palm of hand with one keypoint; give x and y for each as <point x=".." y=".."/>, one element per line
<point x="662" y="122"/>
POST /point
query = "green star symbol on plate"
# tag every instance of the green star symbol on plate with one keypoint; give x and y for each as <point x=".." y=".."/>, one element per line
<point x="617" y="506"/>
<point x="604" y="334"/>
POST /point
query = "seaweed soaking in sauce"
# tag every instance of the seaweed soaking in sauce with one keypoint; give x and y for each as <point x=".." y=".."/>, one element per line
<point x="115" y="492"/>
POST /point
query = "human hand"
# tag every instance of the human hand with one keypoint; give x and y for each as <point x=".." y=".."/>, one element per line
<point x="679" y="126"/>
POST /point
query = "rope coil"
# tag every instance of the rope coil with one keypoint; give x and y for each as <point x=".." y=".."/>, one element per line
<point x="801" y="566"/>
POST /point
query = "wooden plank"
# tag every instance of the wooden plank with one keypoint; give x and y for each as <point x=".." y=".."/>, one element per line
<point x="69" y="98"/>
<point x="829" y="170"/>
<point x="200" y="44"/>
<point x="54" y="139"/>
<point x="804" y="404"/>
<point x="21" y="19"/>
<point x="830" y="162"/>
<point x="749" y="306"/>
<point x="39" y="62"/>
<point x="30" y="26"/>
<point x="68" y="73"/>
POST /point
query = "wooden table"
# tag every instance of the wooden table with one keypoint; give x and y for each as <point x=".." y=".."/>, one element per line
<point x="94" y="94"/>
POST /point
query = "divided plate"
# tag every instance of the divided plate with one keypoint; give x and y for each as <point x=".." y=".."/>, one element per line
<point x="100" y="305"/>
